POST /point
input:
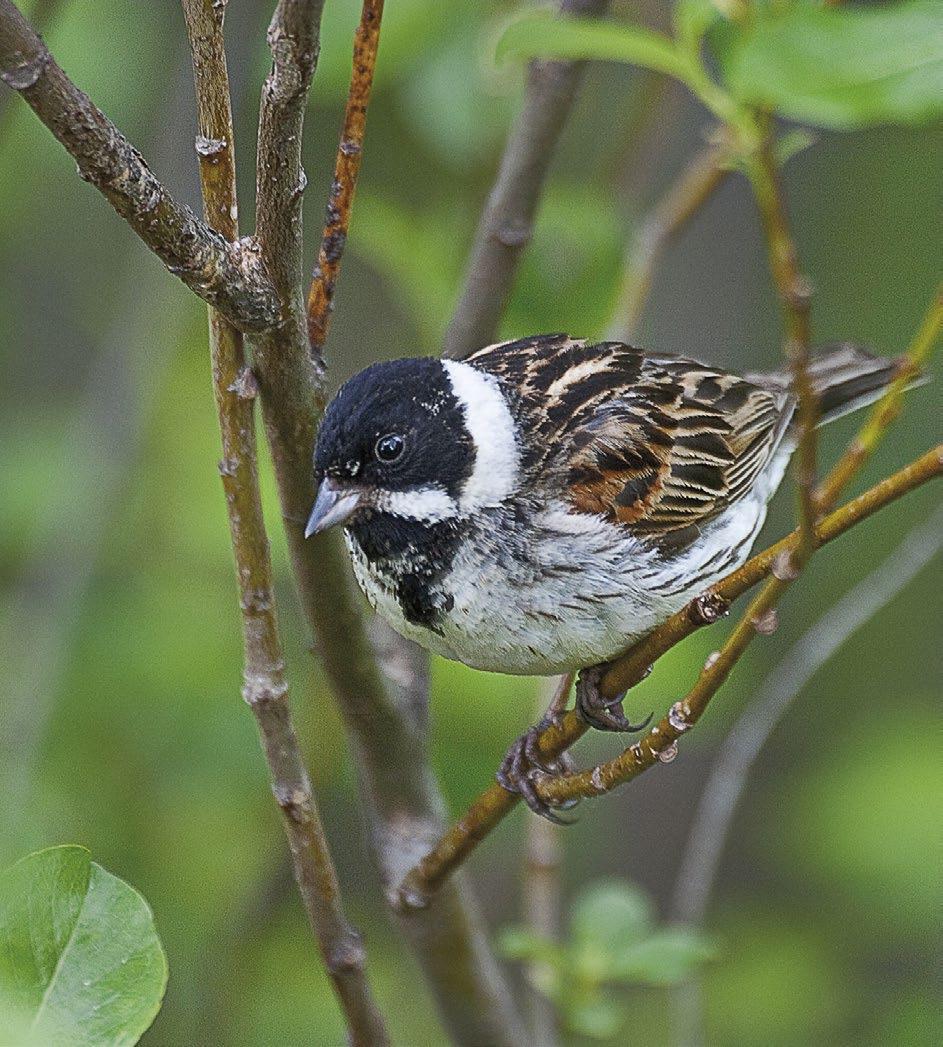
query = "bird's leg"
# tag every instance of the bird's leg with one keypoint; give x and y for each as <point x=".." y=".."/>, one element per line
<point x="524" y="762"/>
<point x="605" y="714"/>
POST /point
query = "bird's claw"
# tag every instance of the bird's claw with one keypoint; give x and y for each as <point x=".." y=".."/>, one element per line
<point x="605" y="714"/>
<point x="523" y="766"/>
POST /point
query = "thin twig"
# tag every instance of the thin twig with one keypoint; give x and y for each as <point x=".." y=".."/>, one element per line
<point x="507" y="221"/>
<point x="660" y="743"/>
<point x="225" y="274"/>
<point x="265" y="690"/>
<point x="494" y="803"/>
<point x="794" y="293"/>
<point x="887" y="408"/>
<point x="543" y="893"/>
<point x="728" y="779"/>
<point x="346" y="169"/>
<point x="694" y="186"/>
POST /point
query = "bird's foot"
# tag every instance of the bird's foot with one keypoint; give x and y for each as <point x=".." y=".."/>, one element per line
<point x="524" y="764"/>
<point x="605" y="714"/>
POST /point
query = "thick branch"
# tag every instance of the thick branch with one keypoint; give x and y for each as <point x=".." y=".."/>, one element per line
<point x="266" y="689"/>
<point x="494" y="803"/>
<point x="507" y="222"/>
<point x="346" y="169"/>
<point x="402" y="803"/>
<point x="228" y="275"/>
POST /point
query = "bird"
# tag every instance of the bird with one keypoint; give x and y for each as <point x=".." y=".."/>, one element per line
<point x="540" y="505"/>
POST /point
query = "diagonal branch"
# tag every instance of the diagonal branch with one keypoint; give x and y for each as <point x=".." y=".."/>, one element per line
<point x="494" y="803"/>
<point x="660" y="744"/>
<point x="787" y="681"/>
<point x="507" y="221"/>
<point x="227" y="275"/>
<point x="346" y="169"/>
<point x="887" y="408"/>
<point x="693" y="187"/>
<point x="266" y="689"/>
<point x="728" y="779"/>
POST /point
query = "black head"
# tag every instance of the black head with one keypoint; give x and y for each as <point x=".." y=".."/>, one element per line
<point x="393" y="437"/>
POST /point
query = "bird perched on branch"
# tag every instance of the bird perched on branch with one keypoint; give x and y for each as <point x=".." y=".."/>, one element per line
<point x="541" y="505"/>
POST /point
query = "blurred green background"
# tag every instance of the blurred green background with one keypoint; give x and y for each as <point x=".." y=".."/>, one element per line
<point x="121" y="725"/>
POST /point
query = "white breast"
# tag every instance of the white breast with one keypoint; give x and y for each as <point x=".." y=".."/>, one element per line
<point x="577" y="593"/>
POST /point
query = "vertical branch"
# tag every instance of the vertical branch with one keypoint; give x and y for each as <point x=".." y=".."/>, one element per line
<point x="887" y="408"/>
<point x="401" y="800"/>
<point x="507" y="221"/>
<point x="543" y="895"/>
<point x="346" y="169"/>
<point x="265" y="690"/>
<point x="794" y="293"/>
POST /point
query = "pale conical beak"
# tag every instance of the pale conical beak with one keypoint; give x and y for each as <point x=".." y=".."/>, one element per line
<point x="333" y="505"/>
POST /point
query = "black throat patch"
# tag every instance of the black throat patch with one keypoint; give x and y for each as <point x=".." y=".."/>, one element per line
<point x="415" y="557"/>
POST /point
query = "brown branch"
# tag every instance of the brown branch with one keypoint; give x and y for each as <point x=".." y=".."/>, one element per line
<point x="794" y="293"/>
<point x="400" y="796"/>
<point x="694" y="186"/>
<point x="660" y="743"/>
<point x="543" y="894"/>
<point x="729" y="777"/>
<point x="507" y="221"/>
<point x="494" y="803"/>
<point x="266" y="689"/>
<point x="886" y="410"/>
<point x="346" y="169"/>
<point x="786" y="682"/>
<point x="225" y="274"/>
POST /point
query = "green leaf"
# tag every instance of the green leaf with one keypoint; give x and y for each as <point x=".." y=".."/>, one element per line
<point x="665" y="958"/>
<point x="518" y="943"/>
<point x="80" y="961"/>
<point x="542" y="35"/>
<point x="842" y="67"/>
<point x="599" y="1017"/>
<point x="609" y="916"/>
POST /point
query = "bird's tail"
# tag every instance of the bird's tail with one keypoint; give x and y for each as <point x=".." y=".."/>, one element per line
<point x="844" y="377"/>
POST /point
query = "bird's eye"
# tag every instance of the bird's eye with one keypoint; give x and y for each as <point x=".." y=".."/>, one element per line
<point x="390" y="448"/>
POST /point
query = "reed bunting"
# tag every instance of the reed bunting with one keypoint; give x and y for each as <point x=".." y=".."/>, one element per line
<point x="544" y="503"/>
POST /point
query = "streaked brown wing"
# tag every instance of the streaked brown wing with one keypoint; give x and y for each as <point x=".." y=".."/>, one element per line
<point x="676" y="448"/>
<point x="661" y="444"/>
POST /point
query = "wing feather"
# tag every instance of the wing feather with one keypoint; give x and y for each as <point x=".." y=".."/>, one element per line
<point x="659" y="444"/>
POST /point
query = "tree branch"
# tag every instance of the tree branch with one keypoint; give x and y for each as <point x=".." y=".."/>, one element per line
<point x="694" y="186"/>
<point x="787" y="681"/>
<point x="346" y="169"/>
<point x="494" y="803"/>
<point x="794" y="293"/>
<point x="542" y="892"/>
<point x="401" y="799"/>
<point x="886" y="410"/>
<point x="265" y="690"/>
<point x="227" y="275"/>
<point x="507" y="221"/>
<point x="660" y="743"/>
